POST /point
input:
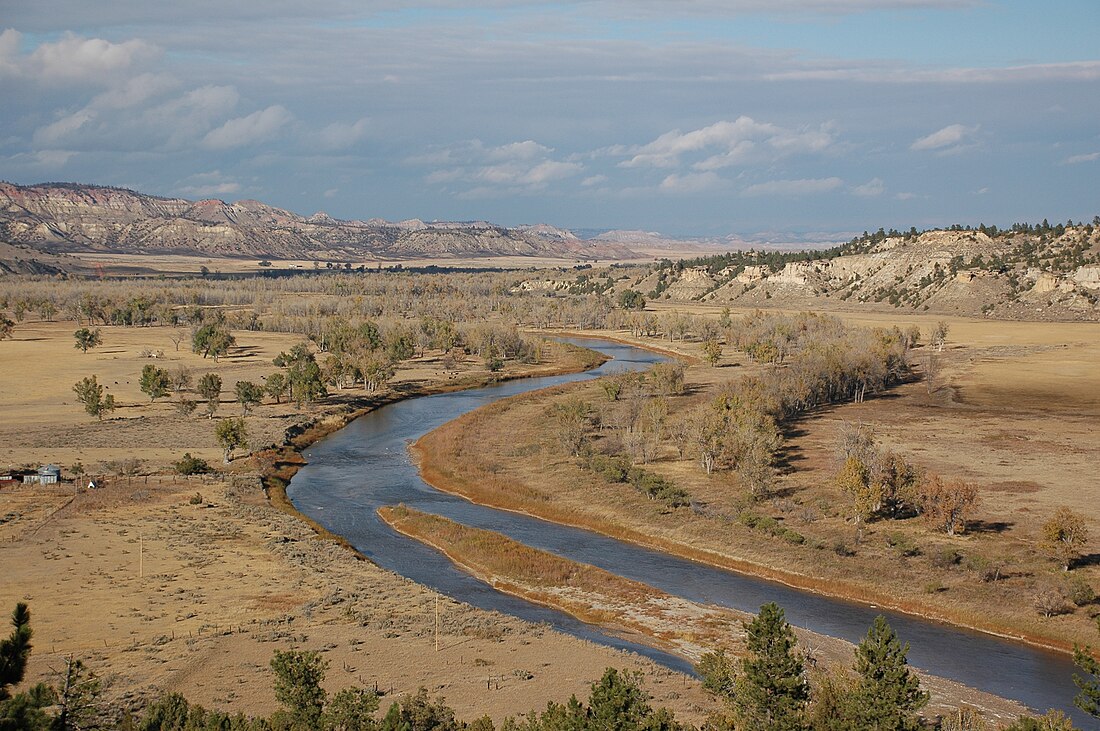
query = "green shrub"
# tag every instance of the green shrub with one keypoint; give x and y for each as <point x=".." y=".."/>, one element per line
<point x="793" y="537"/>
<point x="189" y="465"/>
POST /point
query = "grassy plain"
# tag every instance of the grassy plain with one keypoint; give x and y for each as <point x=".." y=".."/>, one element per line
<point x="1013" y="409"/>
<point x="157" y="593"/>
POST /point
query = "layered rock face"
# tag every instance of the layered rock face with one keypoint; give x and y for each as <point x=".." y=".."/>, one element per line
<point x="60" y="217"/>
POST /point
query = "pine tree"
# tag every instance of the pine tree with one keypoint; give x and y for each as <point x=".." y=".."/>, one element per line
<point x="15" y="650"/>
<point x="887" y="694"/>
<point x="771" y="692"/>
<point x="1088" y="700"/>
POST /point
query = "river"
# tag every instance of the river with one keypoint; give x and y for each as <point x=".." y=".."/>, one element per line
<point x="366" y="465"/>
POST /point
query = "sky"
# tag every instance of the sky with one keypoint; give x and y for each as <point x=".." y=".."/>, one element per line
<point x="686" y="117"/>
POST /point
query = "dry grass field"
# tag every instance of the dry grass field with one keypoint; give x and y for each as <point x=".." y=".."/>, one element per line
<point x="156" y="593"/>
<point x="164" y="583"/>
<point x="1013" y="411"/>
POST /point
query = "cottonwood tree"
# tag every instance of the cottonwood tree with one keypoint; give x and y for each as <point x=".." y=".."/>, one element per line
<point x="770" y="692"/>
<point x="90" y="394"/>
<point x="212" y="339"/>
<point x="947" y="505"/>
<point x="275" y="386"/>
<point x="231" y="434"/>
<point x="570" y="420"/>
<point x="939" y="335"/>
<point x="86" y="339"/>
<point x="154" y="382"/>
<point x="210" y="388"/>
<point x="248" y="395"/>
<point x="1063" y="536"/>
<point x="181" y="378"/>
<point x="712" y="352"/>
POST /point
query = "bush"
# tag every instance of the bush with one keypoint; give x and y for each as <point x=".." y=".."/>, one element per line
<point x="1080" y="591"/>
<point x="189" y="465"/>
<point x="792" y="537"/>
<point x="195" y="499"/>
<point x="903" y="545"/>
<point x="945" y="558"/>
<point x="1050" y="601"/>
<point x="987" y="570"/>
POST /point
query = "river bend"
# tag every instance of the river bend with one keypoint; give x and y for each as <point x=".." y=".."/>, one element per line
<point x="366" y="465"/>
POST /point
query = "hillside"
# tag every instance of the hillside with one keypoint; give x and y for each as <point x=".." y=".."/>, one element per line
<point x="69" y="218"/>
<point x="1029" y="272"/>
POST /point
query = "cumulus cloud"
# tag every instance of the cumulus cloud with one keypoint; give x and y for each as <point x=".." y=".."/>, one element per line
<point x="804" y="186"/>
<point x="73" y="58"/>
<point x="871" y="189"/>
<point x="515" y="166"/>
<point x="727" y="143"/>
<point x="260" y="126"/>
<point x="950" y="137"/>
<point x="340" y="135"/>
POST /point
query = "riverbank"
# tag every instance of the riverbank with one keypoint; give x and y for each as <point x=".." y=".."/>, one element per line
<point x="549" y="486"/>
<point x="278" y="465"/>
<point x="593" y="595"/>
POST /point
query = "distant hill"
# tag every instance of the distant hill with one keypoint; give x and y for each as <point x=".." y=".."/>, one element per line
<point x="1033" y="272"/>
<point x="1028" y="272"/>
<point x="56" y="218"/>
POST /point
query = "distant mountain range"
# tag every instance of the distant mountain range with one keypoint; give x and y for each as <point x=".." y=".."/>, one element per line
<point x="69" y="218"/>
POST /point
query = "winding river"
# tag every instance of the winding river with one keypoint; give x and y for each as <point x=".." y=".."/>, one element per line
<point x="366" y="465"/>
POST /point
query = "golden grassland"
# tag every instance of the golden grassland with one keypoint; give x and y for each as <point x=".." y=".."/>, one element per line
<point x="164" y="583"/>
<point x="158" y="593"/>
<point x="1007" y="417"/>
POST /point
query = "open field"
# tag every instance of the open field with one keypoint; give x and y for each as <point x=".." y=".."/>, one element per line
<point x="1010" y="401"/>
<point x="115" y="263"/>
<point x="156" y="593"/>
<point x="44" y="422"/>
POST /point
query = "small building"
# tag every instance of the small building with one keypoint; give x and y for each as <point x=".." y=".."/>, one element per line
<point x="48" y="475"/>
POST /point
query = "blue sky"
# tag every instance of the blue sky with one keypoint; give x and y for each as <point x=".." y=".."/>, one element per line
<point x="695" y="117"/>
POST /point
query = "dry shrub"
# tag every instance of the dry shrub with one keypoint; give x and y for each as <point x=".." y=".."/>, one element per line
<point x="1051" y="601"/>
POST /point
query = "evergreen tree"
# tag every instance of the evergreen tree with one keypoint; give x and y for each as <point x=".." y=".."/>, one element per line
<point x="771" y="692"/>
<point x="90" y="394"/>
<point x="887" y="695"/>
<point x="15" y="650"/>
<point x="298" y="677"/>
<point x="1088" y="700"/>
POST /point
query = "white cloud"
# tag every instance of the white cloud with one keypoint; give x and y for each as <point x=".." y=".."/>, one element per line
<point x="804" y="186"/>
<point x="58" y="131"/>
<point x="186" y="119"/>
<point x="593" y="180"/>
<point x="1088" y="157"/>
<point x="257" y="127"/>
<point x="730" y="143"/>
<point x="905" y="196"/>
<point x="340" y="135"/>
<point x="207" y="191"/>
<point x="871" y="189"/>
<point x="525" y="150"/>
<point x="951" y="136"/>
<point x="517" y="166"/>
<point x="691" y="183"/>
<point x="10" y="41"/>
<point x="73" y="58"/>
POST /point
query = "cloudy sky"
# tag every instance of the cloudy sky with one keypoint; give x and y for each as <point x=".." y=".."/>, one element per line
<point x="689" y="117"/>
